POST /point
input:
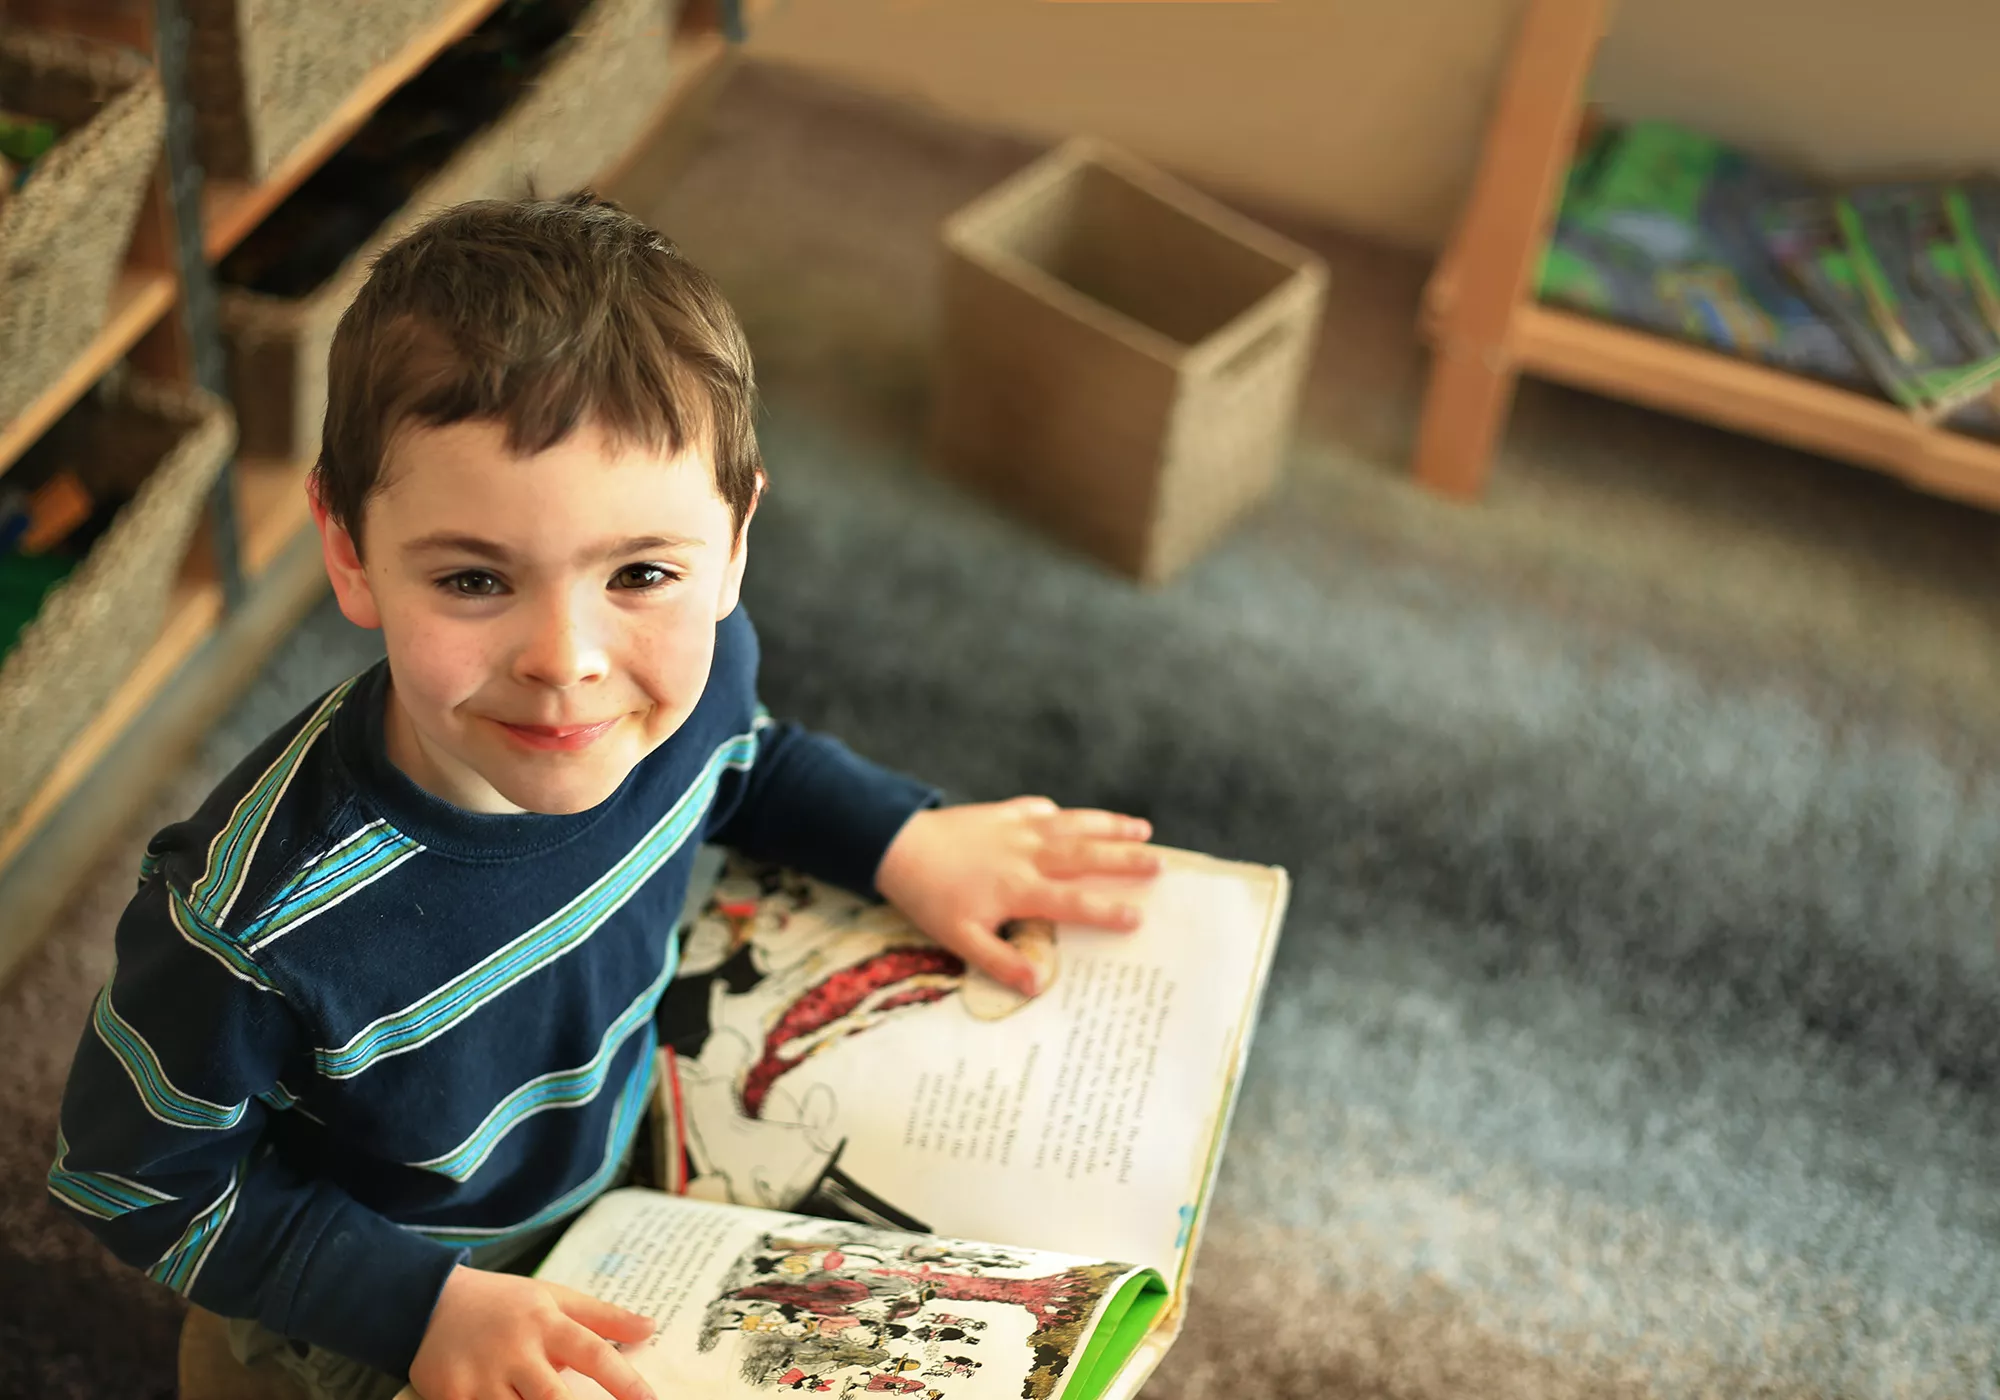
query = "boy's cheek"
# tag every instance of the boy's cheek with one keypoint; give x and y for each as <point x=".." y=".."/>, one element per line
<point x="436" y="660"/>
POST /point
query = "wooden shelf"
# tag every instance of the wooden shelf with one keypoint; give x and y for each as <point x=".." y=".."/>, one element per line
<point x="137" y="303"/>
<point x="1485" y="327"/>
<point x="231" y="208"/>
<point x="1751" y="398"/>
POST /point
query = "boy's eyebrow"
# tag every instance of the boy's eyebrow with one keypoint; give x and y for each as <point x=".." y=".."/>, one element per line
<point x="448" y="541"/>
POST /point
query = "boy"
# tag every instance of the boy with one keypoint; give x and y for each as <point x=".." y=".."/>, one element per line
<point x="384" y="1007"/>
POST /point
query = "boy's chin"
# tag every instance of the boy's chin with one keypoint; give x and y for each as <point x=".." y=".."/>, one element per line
<point x="559" y="795"/>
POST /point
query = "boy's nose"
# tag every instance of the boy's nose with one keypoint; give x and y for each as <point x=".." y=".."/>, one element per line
<point x="564" y="649"/>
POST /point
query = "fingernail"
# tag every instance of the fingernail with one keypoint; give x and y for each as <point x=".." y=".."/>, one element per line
<point x="1028" y="984"/>
<point x="1128" y="915"/>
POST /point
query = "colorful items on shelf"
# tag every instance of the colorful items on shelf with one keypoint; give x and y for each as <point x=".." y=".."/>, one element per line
<point x="25" y="580"/>
<point x="44" y="533"/>
<point x="1890" y="286"/>
<point x="35" y="522"/>
<point x="1904" y="299"/>
<point x="23" y="141"/>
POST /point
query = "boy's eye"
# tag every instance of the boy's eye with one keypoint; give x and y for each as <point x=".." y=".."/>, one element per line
<point x="639" y="576"/>
<point x="473" y="583"/>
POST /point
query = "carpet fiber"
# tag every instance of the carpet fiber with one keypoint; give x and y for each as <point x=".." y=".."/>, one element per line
<point x="1634" y="1028"/>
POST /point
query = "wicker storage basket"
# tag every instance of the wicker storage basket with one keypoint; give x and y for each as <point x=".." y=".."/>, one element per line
<point x="168" y="442"/>
<point x="1120" y="357"/>
<point x="591" y="102"/>
<point x="264" y="74"/>
<point x="63" y="234"/>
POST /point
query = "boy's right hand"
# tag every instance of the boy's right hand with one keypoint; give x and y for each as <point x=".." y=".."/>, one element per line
<point x="496" y="1336"/>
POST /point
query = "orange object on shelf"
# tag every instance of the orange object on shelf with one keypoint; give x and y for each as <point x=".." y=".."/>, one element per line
<point x="57" y="507"/>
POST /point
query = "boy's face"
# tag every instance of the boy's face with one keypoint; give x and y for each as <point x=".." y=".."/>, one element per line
<point x="549" y="620"/>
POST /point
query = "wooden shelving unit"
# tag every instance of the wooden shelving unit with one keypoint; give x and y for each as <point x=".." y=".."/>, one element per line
<point x="1486" y="329"/>
<point x="270" y="515"/>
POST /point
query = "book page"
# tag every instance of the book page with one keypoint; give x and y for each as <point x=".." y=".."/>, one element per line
<point x="751" y="1302"/>
<point x="833" y="1065"/>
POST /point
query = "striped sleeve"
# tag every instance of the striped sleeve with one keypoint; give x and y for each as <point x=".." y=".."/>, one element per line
<point x="807" y="801"/>
<point x="161" y="1152"/>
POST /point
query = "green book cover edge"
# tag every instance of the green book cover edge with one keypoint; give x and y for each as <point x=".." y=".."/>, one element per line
<point x="1126" y="1320"/>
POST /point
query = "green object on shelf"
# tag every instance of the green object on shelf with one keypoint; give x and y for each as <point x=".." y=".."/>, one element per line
<point x="1971" y="260"/>
<point x="1573" y="280"/>
<point x="1637" y="240"/>
<point x="25" y="580"/>
<point x="23" y="141"/>
<point x="1659" y="168"/>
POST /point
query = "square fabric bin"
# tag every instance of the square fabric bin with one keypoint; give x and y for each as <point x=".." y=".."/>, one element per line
<point x="592" y="98"/>
<point x="158" y="447"/>
<point x="1120" y="357"/>
<point x="265" y="74"/>
<point x="63" y="233"/>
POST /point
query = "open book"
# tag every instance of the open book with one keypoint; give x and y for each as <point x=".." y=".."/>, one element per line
<point x="886" y="1176"/>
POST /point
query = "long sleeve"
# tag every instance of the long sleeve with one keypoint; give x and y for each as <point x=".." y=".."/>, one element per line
<point x="163" y="1150"/>
<point x="810" y="803"/>
<point x="806" y="801"/>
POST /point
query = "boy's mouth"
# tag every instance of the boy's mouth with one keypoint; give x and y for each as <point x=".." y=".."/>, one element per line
<point x="559" y="738"/>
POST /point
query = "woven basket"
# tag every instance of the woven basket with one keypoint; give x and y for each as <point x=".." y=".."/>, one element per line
<point x="168" y="442"/>
<point x="592" y="101"/>
<point x="265" y="74"/>
<point x="1119" y="357"/>
<point x="63" y="234"/>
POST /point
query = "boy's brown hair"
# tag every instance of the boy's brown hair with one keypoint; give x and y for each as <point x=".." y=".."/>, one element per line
<point x="540" y="315"/>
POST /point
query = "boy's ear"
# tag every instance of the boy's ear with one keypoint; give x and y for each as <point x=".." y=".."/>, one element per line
<point x="343" y="567"/>
<point x="739" y="556"/>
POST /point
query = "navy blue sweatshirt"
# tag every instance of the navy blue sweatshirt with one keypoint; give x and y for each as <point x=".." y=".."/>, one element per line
<point x="354" y="1030"/>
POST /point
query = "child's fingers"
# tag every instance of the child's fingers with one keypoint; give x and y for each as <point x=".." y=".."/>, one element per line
<point x="1066" y="860"/>
<point x="1089" y="821"/>
<point x="1071" y="904"/>
<point x="542" y="1383"/>
<point x="584" y="1351"/>
<point x="605" y="1319"/>
<point x="994" y="956"/>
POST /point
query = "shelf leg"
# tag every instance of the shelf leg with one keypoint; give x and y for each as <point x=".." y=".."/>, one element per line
<point x="1465" y="408"/>
<point x="1491" y="264"/>
<point x="184" y="186"/>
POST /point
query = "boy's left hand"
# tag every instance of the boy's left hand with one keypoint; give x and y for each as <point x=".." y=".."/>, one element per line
<point x="959" y="873"/>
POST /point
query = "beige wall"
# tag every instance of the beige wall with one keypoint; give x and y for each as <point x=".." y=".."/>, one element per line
<point x="1367" y="113"/>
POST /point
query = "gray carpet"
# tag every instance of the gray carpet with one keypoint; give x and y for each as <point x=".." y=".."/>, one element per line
<point x="1634" y="1029"/>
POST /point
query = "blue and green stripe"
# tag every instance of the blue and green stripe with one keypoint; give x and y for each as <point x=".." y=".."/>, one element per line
<point x="560" y="933"/>
<point x="359" y="860"/>
<point x="100" y="1194"/>
<point x="170" y="1105"/>
<point x="196" y="931"/>
<point x="230" y="853"/>
<point x="617" y="1139"/>
<point x="560" y="1089"/>
<point x="180" y="1265"/>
